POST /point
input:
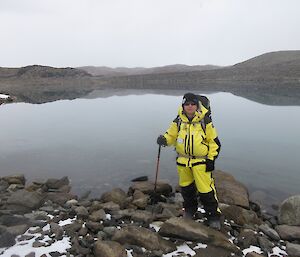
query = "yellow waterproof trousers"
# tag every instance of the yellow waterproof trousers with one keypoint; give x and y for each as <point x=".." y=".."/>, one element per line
<point x="203" y="180"/>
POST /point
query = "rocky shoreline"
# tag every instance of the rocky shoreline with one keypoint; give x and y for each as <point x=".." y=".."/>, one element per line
<point x="47" y="219"/>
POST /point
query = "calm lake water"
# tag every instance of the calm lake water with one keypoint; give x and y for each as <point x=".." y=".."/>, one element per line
<point x="105" y="142"/>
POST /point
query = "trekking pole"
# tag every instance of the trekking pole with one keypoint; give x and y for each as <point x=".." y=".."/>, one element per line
<point x="157" y="165"/>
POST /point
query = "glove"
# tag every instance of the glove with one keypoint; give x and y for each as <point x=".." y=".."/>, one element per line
<point x="210" y="165"/>
<point x="161" y="140"/>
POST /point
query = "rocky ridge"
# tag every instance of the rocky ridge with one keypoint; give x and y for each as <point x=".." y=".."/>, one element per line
<point x="272" y="78"/>
<point x="139" y="222"/>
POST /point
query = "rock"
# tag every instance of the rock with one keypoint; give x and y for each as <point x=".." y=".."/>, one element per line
<point x="18" y="229"/>
<point x="26" y="200"/>
<point x="15" y="187"/>
<point x="15" y="179"/>
<point x="13" y="220"/>
<point x="212" y="251"/>
<point x="287" y="232"/>
<point x="143" y="237"/>
<point x="109" y="249"/>
<point x="240" y="215"/>
<point x="246" y="238"/>
<point x="147" y="187"/>
<point x="72" y="228"/>
<point x="254" y="254"/>
<point x="37" y="244"/>
<point x="171" y="210"/>
<point x="53" y="183"/>
<point x="59" y="198"/>
<point x="265" y="244"/>
<point x="116" y="195"/>
<point x="289" y="211"/>
<point x="109" y="206"/>
<point x="110" y="231"/>
<point x="142" y="178"/>
<point x="56" y="230"/>
<point x="98" y="215"/>
<point x="71" y="203"/>
<point x="95" y="227"/>
<point x="37" y="215"/>
<point x="269" y="232"/>
<point x="293" y="250"/>
<point x="142" y="216"/>
<point x="6" y="238"/>
<point x="193" y="231"/>
<point x="229" y="190"/>
<point x="82" y="212"/>
<point x="140" y="199"/>
<point x="3" y="185"/>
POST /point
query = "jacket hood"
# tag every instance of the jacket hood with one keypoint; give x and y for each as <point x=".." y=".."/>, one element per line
<point x="199" y="114"/>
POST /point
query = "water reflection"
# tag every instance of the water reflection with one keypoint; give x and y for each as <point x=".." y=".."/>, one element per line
<point x="104" y="142"/>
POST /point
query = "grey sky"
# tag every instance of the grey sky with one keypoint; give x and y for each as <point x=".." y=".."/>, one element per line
<point x="144" y="33"/>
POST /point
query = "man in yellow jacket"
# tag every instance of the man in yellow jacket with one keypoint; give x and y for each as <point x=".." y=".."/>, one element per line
<point x="197" y="145"/>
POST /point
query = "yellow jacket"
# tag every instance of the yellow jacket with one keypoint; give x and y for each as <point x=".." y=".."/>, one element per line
<point x="195" y="140"/>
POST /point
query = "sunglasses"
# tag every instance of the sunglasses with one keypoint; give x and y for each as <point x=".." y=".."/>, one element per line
<point x="189" y="103"/>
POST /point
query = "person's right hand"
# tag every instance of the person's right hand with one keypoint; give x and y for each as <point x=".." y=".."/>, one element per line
<point x="161" y="140"/>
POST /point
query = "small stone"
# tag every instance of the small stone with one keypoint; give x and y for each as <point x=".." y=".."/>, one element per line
<point x="82" y="212"/>
<point x="37" y="244"/>
<point x="98" y="215"/>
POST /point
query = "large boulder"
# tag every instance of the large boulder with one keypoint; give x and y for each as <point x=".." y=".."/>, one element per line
<point x="240" y="215"/>
<point x="293" y="250"/>
<point x="287" y="232"/>
<point x="24" y="200"/>
<point x="53" y="183"/>
<point x="230" y="191"/>
<point x="117" y="195"/>
<point x="109" y="249"/>
<point x="190" y="230"/>
<point x="147" y="187"/>
<point x="289" y="211"/>
<point x="143" y="237"/>
<point x="60" y="198"/>
<point x="15" y="179"/>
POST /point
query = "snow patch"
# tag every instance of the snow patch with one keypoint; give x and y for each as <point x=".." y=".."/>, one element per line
<point x="252" y="249"/>
<point x="181" y="249"/>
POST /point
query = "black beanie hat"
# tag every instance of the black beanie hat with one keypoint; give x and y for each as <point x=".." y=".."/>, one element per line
<point x="190" y="97"/>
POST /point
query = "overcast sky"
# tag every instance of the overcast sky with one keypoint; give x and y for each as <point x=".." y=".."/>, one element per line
<point x="145" y="33"/>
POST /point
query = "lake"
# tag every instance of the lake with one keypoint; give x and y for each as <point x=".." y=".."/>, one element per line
<point x="105" y="142"/>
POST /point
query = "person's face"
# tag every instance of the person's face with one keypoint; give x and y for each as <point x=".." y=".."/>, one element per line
<point x="190" y="108"/>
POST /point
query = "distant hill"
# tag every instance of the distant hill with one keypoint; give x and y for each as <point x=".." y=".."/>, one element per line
<point x="272" y="58"/>
<point x="123" y="71"/>
<point x="39" y="71"/>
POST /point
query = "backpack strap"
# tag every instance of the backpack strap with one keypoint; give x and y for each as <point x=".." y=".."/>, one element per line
<point x="178" y="121"/>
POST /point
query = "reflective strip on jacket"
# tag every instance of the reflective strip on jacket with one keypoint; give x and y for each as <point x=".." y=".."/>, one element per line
<point x="193" y="139"/>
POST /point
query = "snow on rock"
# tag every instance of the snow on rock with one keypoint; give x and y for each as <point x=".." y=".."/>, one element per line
<point x="181" y="249"/>
<point x="4" y="96"/>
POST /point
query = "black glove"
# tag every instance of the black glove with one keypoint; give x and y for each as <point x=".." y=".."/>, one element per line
<point x="210" y="165"/>
<point x="161" y="140"/>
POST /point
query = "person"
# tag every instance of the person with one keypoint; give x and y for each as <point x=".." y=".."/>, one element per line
<point x="197" y="146"/>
